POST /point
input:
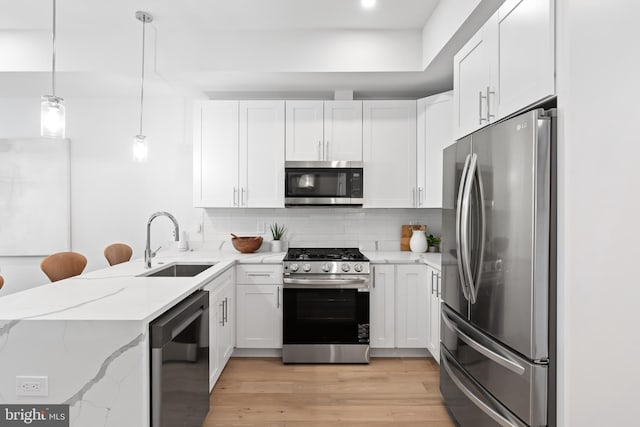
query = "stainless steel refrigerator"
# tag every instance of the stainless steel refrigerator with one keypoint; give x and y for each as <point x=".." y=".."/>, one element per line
<point x="498" y="252"/>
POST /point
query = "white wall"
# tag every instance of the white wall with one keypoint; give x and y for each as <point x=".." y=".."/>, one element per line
<point x="599" y="206"/>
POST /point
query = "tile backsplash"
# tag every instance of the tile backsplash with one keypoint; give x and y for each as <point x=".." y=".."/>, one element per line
<point x="343" y="227"/>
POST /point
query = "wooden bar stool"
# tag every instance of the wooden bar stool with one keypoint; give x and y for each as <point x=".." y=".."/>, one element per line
<point x="63" y="265"/>
<point x="1" y="282"/>
<point x="118" y="253"/>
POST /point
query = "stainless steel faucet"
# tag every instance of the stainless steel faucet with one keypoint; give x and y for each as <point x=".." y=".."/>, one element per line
<point x="148" y="254"/>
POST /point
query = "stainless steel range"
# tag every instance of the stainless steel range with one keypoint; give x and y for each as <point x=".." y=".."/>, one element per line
<point x="326" y="306"/>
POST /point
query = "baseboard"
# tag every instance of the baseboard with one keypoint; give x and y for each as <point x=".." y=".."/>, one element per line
<point x="257" y="352"/>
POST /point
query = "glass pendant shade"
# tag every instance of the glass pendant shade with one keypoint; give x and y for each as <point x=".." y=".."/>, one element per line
<point x="52" y="117"/>
<point x="140" y="148"/>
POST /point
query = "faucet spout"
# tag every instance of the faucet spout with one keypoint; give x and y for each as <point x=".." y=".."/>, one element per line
<point x="148" y="254"/>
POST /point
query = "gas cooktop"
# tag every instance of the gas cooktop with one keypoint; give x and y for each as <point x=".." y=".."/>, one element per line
<point x="325" y="254"/>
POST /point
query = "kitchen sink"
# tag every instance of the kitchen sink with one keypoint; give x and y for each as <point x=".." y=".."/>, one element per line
<point x="180" y="270"/>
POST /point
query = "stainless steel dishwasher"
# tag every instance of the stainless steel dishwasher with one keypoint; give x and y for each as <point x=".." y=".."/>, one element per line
<point x="180" y="364"/>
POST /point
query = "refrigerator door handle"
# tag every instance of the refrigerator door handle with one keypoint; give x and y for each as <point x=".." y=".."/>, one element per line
<point x="474" y="281"/>
<point x="495" y="415"/>
<point x="464" y="226"/>
<point x="500" y="360"/>
<point x="459" y="252"/>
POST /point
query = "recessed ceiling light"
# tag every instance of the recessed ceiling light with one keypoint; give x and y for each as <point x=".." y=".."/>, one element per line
<point x="368" y="3"/>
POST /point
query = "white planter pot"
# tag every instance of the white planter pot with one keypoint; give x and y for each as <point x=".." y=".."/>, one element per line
<point x="276" y="246"/>
<point x="418" y="242"/>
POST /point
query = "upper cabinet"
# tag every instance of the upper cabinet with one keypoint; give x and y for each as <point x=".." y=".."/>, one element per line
<point x="389" y="153"/>
<point x="324" y="130"/>
<point x="435" y="132"/>
<point x="239" y="154"/>
<point x="508" y="65"/>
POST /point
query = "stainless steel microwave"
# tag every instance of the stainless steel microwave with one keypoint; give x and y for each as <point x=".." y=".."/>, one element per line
<point x="323" y="183"/>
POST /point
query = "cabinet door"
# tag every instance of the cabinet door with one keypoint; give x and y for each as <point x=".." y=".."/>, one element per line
<point x="382" y="307"/>
<point x="262" y="154"/>
<point x="304" y="135"/>
<point x="412" y="306"/>
<point x="343" y="130"/>
<point x="389" y="153"/>
<point x="524" y="58"/>
<point x="471" y="78"/>
<point x="434" y="278"/>
<point x="435" y="132"/>
<point x="228" y="340"/>
<point x="259" y="316"/>
<point x="216" y="154"/>
<point x="215" y="320"/>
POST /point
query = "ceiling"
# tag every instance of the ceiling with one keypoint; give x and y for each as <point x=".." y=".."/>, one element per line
<point x="116" y="17"/>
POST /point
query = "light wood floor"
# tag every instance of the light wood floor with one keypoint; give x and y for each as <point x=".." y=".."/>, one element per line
<point x="387" y="392"/>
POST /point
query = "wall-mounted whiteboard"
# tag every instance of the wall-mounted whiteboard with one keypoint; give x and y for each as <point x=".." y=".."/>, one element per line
<point x="34" y="196"/>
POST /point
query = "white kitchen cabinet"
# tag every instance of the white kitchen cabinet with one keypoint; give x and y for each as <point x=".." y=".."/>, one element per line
<point x="343" y="130"/>
<point x="239" y="154"/>
<point x="435" y="132"/>
<point x="472" y="81"/>
<point x="259" y="320"/>
<point x="434" y="277"/>
<point x="382" y="306"/>
<point x="412" y="306"/>
<point x="215" y="149"/>
<point x="323" y="130"/>
<point x="389" y="154"/>
<point x="304" y="130"/>
<point x="506" y="66"/>
<point x="261" y="159"/>
<point x="221" y="323"/>
<point x="524" y="60"/>
<point x="259" y="306"/>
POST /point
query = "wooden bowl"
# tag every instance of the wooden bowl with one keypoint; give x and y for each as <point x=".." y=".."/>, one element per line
<point x="247" y="245"/>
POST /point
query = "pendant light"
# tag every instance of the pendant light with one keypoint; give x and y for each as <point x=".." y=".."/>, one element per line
<point x="52" y="112"/>
<point x="140" y="143"/>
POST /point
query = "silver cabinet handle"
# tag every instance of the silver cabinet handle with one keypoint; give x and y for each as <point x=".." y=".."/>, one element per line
<point x="489" y="93"/>
<point x="373" y="276"/>
<point x="475" y="399"/>
<point x="259" y="274"/>
<point x="278" y="298"/>
<point x="226" y="310"/>
<point x="222" y="313"/>
<point x="480" y="98"/>
<point x="235" y="195"/>
<point x="413" y="193"/>
<point x="433" y="273"/>
<point x="439" y="277"/>
<point x="326" y="151"/>
<point x="459" y="237"/>
<point x="500" y="360"/>
<point x="319" y="150"/>
<point x="420" y="198"/>
<point x="242" y="198"/>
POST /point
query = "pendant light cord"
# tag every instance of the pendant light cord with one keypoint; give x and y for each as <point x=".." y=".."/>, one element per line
<point x="53" y="57"/>
<point x="142" y="81"/>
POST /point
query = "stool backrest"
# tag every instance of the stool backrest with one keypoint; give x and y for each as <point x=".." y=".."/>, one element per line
<point x="63" y="265"/>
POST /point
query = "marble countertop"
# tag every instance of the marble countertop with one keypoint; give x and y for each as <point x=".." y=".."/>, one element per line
<point x="120" y="293"/>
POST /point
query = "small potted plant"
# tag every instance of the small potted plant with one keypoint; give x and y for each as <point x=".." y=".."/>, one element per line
<point x="434" y="243"/>
<point x="277" y="231"/>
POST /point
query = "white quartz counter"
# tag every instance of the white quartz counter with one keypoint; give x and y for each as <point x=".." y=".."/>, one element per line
<point x="404" y="257"/>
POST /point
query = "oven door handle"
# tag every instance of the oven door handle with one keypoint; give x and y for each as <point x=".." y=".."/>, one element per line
<point x="326" y="283"/>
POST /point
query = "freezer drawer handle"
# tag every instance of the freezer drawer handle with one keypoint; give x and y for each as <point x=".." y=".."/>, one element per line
<point x="502" y="361"/>
<point x="475" y="399"/>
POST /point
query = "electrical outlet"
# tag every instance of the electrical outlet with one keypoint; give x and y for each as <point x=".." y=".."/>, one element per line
<point x="32" y="386"/>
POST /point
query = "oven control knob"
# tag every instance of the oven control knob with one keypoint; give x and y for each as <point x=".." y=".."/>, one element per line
<point x="326" y="267"/>
<point x="294" y="267"/>
<point x="346" y="267"/>
<point x="358" y="267"/>
<point x="306" y="267"/>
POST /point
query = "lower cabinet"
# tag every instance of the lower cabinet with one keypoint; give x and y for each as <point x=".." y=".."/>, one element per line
<point x="259" y="316"/>
<point x="435" y="299"/>
<point x="221" y="323"/>
<point x="399" y="306"/>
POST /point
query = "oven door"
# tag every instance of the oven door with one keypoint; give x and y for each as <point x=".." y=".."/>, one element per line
<point x="325" y="315"/>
